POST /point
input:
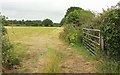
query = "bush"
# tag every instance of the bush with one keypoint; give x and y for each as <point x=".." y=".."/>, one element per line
<point x="47" y="22"/>
<point x="4" y="30"/>
<point x="110" y="21"/>
<point x="75" y="19"/>
<point x="71" y="34"/>
<point x="9" y="57"/>
<point x="111" y="30"/>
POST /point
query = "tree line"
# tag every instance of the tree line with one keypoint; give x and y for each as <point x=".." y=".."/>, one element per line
<point x="45" y="22"/>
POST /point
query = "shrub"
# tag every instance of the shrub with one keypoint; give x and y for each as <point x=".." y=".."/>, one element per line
<point x="111" y="30"/>
<point x="47" y="22"/>
<point x="4" y="30"/>
<point x="9" y="58"/>
<point x="75" y="19"/>
<point x="110" y="21"/>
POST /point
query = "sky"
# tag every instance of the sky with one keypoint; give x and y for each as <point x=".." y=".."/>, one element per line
<point x="52" y="9"/>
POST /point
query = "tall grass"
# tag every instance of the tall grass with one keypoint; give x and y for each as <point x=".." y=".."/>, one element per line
<point x="52" y="61"/>
<point x="108" y="66"/>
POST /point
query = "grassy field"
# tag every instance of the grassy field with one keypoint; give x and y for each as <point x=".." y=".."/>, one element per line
<point x="42" y="51"/>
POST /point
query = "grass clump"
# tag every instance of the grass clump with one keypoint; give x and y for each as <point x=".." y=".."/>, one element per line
<point x="52" y="61"/>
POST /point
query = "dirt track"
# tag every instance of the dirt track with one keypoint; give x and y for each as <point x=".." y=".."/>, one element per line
<point x="70" y="61"/>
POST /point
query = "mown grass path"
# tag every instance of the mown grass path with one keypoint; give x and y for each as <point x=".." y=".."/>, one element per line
<point x="43" y="51"/>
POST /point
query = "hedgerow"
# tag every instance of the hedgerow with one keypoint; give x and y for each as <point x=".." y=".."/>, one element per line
<point x="75" y="19"/>
<point x="111" y="31"/>
<point x="9" y="57"/>
<point x="109" y="24"/>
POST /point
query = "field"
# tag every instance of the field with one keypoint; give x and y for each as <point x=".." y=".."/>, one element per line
<point x="42" y="50"/>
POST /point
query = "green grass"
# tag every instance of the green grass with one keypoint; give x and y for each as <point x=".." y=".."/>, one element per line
<point x="20" y="50"/>
<point x="81" y="49"/>
<point x="27" y="46"/>
<point x="103" y="65"/>
<point x="52" y="61"/>
<point x="84" y="52"/>
<point x="17" y="33"/>
<point x="33" y="37"/>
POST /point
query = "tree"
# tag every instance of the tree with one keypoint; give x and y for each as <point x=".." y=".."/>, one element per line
<point x="71" y="9"/>
<point x="62" y="21"/>
<point x="4" y="20"/>
<point x="77" y="16"/>
<point x="74" y="18"/>
<point x="47" y="22"/>
<point x="118" y="4"/>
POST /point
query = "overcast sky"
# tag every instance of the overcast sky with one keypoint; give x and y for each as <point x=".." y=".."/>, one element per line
<point x="52" y="9"/>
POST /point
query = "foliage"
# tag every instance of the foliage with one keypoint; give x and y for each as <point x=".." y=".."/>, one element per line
<point x="33" y="23"/>
<point x="70" y="34"/>
<point x="108" y="66"/>
<point x="23" y="22"/>
<point x="4" y="20"/>
<point x="78" y="16"/>
<point x="4" y="30"/>
<point x="74" y="18"/>
<point x="109" y="23"/>
<point x="73" y="23"/>
<point x="111" y="31"/>
<point x="71" y="9"/>
<point x="118" y="5"/>
<point x="47" y="22"/>
<point x="9" y="58"/>
<point x="56" y="25"/>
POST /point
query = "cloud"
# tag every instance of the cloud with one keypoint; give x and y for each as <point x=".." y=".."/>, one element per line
<point x="53" y="9"/>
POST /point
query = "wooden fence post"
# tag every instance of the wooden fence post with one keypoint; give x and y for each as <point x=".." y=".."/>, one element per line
<point x="101" y="40"/>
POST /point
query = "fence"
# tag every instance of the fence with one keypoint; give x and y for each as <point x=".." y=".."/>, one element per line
<point x="93" y="40"/>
